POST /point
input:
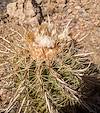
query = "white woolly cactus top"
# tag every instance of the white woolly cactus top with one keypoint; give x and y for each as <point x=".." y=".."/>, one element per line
<point x="45" y="41"/>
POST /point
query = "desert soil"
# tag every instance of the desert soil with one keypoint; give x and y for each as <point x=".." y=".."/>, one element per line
<point x="85" y="16"/>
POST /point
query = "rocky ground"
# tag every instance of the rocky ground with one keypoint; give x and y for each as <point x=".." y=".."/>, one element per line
<point x="84" y="25"/>
<point x="85" y="16"/>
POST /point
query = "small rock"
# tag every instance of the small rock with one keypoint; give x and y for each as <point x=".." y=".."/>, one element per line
<point x="11" y="9"/>
<point x="38" y="1"/>
<point x="23" y="14"/>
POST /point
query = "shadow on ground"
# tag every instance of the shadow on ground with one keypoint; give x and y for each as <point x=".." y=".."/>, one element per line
<point x="90" y="91"/>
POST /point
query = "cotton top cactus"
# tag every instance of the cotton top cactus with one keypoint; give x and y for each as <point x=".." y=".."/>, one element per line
<point x="45" y="41"/>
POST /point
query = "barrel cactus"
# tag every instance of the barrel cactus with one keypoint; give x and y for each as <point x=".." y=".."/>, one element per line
<point x="43" y="67"/>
